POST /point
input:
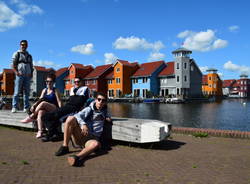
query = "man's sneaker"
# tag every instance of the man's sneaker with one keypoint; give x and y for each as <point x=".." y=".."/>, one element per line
<point x="13" y="110"/>
<point x="62" y="151"/>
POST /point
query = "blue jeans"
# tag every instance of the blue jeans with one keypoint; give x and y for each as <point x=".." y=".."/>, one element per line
<point x="22" y="83"/>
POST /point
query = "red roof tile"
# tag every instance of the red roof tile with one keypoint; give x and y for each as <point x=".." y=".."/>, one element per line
<point x="8" y="70"/>
<point x="40" y="68"/>
<point x="61" y="71"/>
<point x="146" y="69"/>
<point x="228" y="83"/>
<point x="98" y="71"/>
<point x="169" y="70"/>
<point x="110" y="75"/>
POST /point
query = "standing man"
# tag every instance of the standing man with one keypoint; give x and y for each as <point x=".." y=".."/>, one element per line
<point x="23" y="67"/>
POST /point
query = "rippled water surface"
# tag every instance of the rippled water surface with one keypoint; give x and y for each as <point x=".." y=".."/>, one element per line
<point x="230" y="114"/>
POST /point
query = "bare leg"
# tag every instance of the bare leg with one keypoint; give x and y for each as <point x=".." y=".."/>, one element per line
<point x="69" y="125"/>
<point x="39" y="119"/>
<point x="48" y="107"/>
<point x="90" y="147"/>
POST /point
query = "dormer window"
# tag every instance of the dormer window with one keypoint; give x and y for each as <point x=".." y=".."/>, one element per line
<point x="117" y="69"/>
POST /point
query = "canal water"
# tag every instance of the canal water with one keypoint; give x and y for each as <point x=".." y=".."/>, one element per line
<point x="228" y="114"/>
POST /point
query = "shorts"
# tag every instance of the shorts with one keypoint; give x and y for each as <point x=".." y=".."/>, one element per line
<point x="79" y="139"/>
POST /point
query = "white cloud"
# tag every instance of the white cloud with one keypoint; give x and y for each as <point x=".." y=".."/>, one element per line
<point x="45" y="63"/>
<point x="110" y="58"/>
<point x="135" y="43"/>
<point x="234" y="28"/>
<point x="11" y="19"/>
<point x="156" y="56"/>
<point x="236" y="68"/>
<point x="202" y="41"/>
<point x="203" y="69"/>
<point x="8" y="18"/>
<point x="87" y="49"/>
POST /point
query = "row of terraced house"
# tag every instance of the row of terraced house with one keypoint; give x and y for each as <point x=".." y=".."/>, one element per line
<point x="181" y="77"/>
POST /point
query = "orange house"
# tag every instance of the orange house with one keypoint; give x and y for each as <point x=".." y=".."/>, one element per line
<point x="119" y="83"/>
<point x="211" y="83"/>
<point x="7" y="82"/>
<point x="75" y="70"/>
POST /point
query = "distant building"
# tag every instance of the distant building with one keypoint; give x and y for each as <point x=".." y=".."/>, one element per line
<point x="120" y="84"/>
<point x="75" y="70"/>
<point x="227" y="86"/>
<point x="96" y="80"/>
<point x="7" y="82"/>
<point x="145" y="82"/>
<point x="60" y="75"/>
<point x="211" y="83"/>
<point x="38" y="80"/>
<point x="244" y="86"/>
<point x="181" y="78"/>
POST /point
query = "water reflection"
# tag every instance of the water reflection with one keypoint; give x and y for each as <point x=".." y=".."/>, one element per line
<point x="232" y="114"/>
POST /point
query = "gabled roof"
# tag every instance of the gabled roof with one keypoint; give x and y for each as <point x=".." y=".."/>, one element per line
<point x="40" y="68"/>
<point x="61" y="71"/>
<point x="76" y="65"/>
<point x="98" y="71"/>
<point x="126" y="63"/>
<point x="147" y="69"/>
<point x="236" y="84"/>
<point x="110" y="75"/>
<point x="168" y="70"/>
<point x="228" y="83"/>
<point x="204" y="80"/>
<point x="8" y="70"/>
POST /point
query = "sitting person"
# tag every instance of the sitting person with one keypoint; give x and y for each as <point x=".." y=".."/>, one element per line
<point x="85" y="127"/>
<point x="48" y="101"/>
<point x="78" y="96"/>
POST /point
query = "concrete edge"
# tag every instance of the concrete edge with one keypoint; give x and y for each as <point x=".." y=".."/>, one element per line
<point x="212" y="132"/>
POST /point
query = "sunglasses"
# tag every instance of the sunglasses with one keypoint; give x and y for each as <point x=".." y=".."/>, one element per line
<point x="49" y="81"/>
<point x="77" y="81"/>
<point x="101" y="100"/>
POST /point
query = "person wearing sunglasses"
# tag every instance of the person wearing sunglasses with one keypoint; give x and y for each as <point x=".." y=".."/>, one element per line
<point x="22" y="64"/>
<point x="52" y="120"/>
<point x="49" y="101"/>
<point x="85" y="127"/>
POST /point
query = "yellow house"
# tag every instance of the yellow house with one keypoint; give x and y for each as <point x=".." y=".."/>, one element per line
<point x="119" y="82"/>
<point x="211" y="83"/>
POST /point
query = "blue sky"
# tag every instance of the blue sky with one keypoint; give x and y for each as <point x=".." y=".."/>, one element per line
<point x="99" y="31"/>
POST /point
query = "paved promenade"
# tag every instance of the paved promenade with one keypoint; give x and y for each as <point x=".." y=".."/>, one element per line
<point x="181" y="160"/>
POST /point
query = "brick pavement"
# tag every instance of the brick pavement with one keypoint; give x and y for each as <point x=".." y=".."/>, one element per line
<point x="181" y="160"/>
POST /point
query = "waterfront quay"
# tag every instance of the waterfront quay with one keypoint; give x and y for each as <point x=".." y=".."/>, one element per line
<point x="182" y="159"/>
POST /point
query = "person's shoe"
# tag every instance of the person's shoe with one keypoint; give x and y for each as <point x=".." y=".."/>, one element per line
<point x="28" y="119"/>
<point x="74" y="160"/>
<point x="26" y="110"/>
<point x="14" y="110"/>
<point x="39" y="134"/>
<point x="57" y="137"/>
<point x="46" y="138"/>
<point x="62" y="151"/>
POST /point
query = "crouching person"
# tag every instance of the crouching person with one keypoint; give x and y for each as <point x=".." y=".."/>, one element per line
<point x="85" y="127"/>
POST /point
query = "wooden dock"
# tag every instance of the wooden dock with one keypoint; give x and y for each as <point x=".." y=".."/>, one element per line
<point x="124" y="129"/>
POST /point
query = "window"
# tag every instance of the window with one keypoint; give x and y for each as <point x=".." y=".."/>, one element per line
<point x="94" y="82"/>
<point x="117" y="69"/>
<point x="87" y="82"/>
<point x="117" y="80"/>
<point x="110" y="81"/>
<point x="72" y="81"/>
<point x="185" y="78"/>
<point x="135" y="81"/>
<point x="177" y="67"/>
<point x="144" y="79"/>
<point x="185" y="65"/>
<point x="72" y="71"/>
<point x="178" y="79"/>
<point x="209" y="78"/>
<point x="214" y="85"/>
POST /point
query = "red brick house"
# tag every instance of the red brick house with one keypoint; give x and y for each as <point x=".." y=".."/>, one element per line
<point x="96" y="80"/>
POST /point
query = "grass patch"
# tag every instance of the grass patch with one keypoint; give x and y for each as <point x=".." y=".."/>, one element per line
<point x="194" y="166"/>
<point x="24" y="162"/>
<point x="200" y="134"/>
